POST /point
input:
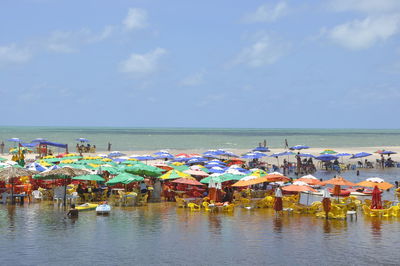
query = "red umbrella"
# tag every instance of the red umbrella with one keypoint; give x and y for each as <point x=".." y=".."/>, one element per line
<point x="187" y="181"/>
<point x="376" y="199"/>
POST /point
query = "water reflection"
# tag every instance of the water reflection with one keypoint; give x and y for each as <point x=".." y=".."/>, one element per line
<point x="214" y="223"/>
<point x="277" y="224"/>
<point x="376" y="227"/>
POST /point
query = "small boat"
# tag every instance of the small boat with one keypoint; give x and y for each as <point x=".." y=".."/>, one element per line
<point x="103" y="209"/>
<point x="87" y="207"/>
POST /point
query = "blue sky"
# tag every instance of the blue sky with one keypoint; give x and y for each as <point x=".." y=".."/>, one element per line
<point x="179" y="63"/>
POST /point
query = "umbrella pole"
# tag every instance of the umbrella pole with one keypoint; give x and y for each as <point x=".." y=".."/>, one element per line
<point x="65" y="193"/>
<point x="12" y="192"/>
<point x="308" y="196"/>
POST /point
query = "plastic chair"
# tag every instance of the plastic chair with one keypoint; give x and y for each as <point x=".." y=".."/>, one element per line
<point x="143" y="200"/>
<point x="37" y="195"/>
<point x="193" y="206"/>
<point x="245" y="202"/>
<point x="205" y="205"/>
<point x="181" y="203"/>
<point x="228" y="208"/>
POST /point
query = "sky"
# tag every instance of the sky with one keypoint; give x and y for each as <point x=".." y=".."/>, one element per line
<point x="180" y="63"/>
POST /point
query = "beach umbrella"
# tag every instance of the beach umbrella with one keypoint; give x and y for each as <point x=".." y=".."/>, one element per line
<point x="257" y="172"/>
<point x="278" y="204"/>
<point x="14" y="140"/>
<point x="144" y="169"/>
<point x="360" y="155"/>
<point x="299" y="147"/>
<point x="261" y="149"/>
<point x="388" y="152"/>
<point x="326" y="202"/>
<point x="82" y="140"/>
<point x="165" y="156"/>
<point x="187" y="181"/>
<point x="343" y="154"/>
<point x="173" y="174"/>
<point x="249" y="180"/>
<point x="13" y="172"/>
<point x="375" y="181"/>
<point x="196" y="173"/>
<point x="143" y="157"/>
<point x="217" y="169"/>
<point x="376" y="202"/>
<point x="252" y="156"/>
<point x="308" y="155"/>
<point x="310" y="180"/>
<point x="221" y="178"/>
<point x="36" y="167"/>
<point x="116" y="154"/>
<point x="96" y="178"/>
<point x="124" y="178"/>
<point x="298" y="186"/>
<point x="279" y="154"/>
<point x="337" y="182"/>
<point x="196" y="160"/>
<point x="328" y="151"/>
<point x="326" y="157"/>
<point x="276" y="177"/>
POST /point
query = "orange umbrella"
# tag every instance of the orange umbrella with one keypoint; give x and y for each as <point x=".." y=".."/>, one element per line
<point x="339" y="181"/>
<point x="310" y="181"/>
<point x="276" y="177"/>
<point x="383" y="185"/>
<point x="298" y="188"/>
<point x="250" y="180"/>
<point x="188" y="181"/>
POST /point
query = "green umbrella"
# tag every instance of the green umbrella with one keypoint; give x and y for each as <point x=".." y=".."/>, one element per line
<point x="2" y="159"/>
<point x="89" y="178"/>
<point x="124" y="178"/>
<point x="180" y="167"/>
<point x="328" y="152"/>
<point x="222" y="178"/>
<point x="111" y="170"/>
<point x="144" y="169"/>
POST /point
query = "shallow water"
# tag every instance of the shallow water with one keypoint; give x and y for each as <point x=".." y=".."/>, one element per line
<point x="39" y="234"/>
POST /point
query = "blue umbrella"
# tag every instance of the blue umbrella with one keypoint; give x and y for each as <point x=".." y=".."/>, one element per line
<point x="118" y="160"/>
<point x="261" y="149"/>
<point x="144" y="158"/>
<point x="181" y="159"/>
<point x="209" y="155"/>
<point x="82" y="140"/>
<point x="286" y="153"/>
<point x="15" y="140"/>
<point x="197" y="160"/>
<point x="165" y="155"/>
<point x="343" y="154"/>
<point x="231" y="154"/>
<point x="36" y="167"/>
<point x="388" y="152"/>
<point x="360" y="155"/>
<point x="260" y="153"/>
<point x="299" y="147"/>
<point x="306" y="155"/>
<point x="116" y="154"/>
<point x="251" y="156"/>
<point x="326" y="157"/>
<point x="217" y="170"/>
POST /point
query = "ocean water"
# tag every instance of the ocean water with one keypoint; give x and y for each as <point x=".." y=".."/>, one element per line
<point x="205" y="138"/>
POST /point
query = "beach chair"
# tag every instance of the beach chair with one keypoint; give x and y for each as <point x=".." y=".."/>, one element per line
<point x="367" y="211"/>
<point x="228" y="208"/>
<point x="181" y="202"/>
<point x="205" y="205"/>
<point x="37" y="195"/>
<point x="143" y="200"/>
<point x="245" y="202"/>
<point x="193" y="206"/>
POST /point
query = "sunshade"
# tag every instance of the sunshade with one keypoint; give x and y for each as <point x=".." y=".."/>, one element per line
<point x="173" y="174"/>
<point x="89" y="178"/>
<point x="61" y="173"/>
<point x="13" y="172"/>
<point x="196" y="173"/>
<point x="328" y="151"/>
<point x="327" y="157"/>
<point x="143" y="169"/>
<point x="276" y="177"/>
<point x="221" y="178"/>
<point x="250" y="180"/>
<point x="124" y="178"/>
<point x="298" y="187"/>
<point x="299" y="147"/>
<point x="188" y="181"/>
<point x="261" y="149"/>
<point x="380" y="185"/>
<point x="339" y="181"/>
<point x="360" y="155"/>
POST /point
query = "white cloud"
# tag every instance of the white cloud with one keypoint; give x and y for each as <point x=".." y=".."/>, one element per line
<point x="267" y="13"/>
<point x="366" y="6"/>
<point x="71" y="41"/>
<point x="142" y="64"/>
<point x="11" y="54"/>
<point x="362" y="34"/>
<point x="136" y="19"/>
<point x="264" y="51"/>
<point x="192" y="80"/>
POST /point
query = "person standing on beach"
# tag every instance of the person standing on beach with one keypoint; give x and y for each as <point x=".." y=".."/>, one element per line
<point x="286" y="144"/>
<point x="382" y="161"/>
<point x="2" y="147"/>
<point x="298" y="164"/>
<point x="109" y="147"/>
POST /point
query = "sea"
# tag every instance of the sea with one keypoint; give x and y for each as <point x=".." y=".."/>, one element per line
<point x="203" y="138"/>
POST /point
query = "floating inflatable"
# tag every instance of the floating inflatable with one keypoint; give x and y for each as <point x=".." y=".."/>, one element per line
<point x="86" y="207"/>
<point x="103" y="209"/>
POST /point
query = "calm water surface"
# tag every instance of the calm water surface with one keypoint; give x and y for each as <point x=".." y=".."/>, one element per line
<point x="38" y="234"/>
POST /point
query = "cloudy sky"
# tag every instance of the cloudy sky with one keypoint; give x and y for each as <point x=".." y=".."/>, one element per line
<point x="179" y="63"/>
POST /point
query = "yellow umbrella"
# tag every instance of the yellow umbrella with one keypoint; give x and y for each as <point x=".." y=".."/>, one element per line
<point x="174" y="174"/>
<point x="67" y="161"/>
